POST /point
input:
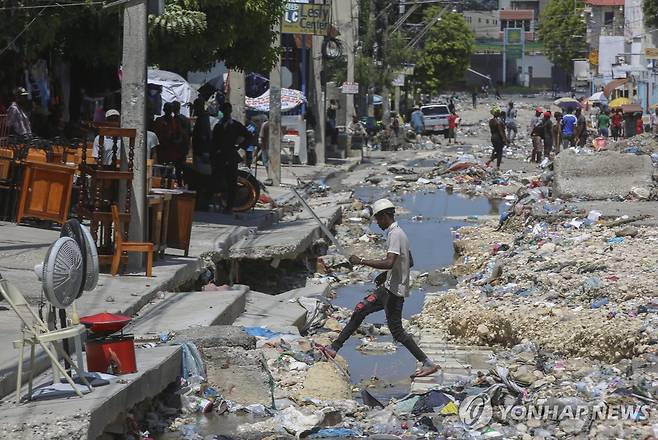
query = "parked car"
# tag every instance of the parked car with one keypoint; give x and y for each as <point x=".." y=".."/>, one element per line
<point x="436" y="118"/>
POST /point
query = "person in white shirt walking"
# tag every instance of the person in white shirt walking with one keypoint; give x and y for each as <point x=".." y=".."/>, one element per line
<point x="392" y="289"/>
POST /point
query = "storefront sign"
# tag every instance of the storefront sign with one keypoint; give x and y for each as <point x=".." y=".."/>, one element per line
<point x="651" y="53"/>
<point x="350" y="88"/>
<point x="302" y="18"/>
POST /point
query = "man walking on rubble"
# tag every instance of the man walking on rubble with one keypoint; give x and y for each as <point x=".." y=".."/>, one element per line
<point x="392" y="289"/>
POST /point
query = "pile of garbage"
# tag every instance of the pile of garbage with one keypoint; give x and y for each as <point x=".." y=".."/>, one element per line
<point x="645" y="143"/>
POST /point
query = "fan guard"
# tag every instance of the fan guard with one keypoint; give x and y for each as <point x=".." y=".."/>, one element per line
<point x="63" y="272"/>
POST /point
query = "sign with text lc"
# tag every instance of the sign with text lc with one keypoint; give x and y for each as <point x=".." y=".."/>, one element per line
<point x="304" y="18"/>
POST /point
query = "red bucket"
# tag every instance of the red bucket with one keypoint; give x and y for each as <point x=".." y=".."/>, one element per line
<point x="113" y="355"/>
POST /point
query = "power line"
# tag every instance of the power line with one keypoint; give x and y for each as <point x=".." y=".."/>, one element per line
<point x="25" y="28"/>
<point x="55" y="5"/>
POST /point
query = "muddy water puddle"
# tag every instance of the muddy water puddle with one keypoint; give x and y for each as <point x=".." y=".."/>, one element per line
<point x="429" y="221"/>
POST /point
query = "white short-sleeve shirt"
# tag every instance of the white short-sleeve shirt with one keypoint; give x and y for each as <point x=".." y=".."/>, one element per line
<point x="397" y="278"/>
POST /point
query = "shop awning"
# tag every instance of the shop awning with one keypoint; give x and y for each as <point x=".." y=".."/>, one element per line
<point x="614" y="84"/>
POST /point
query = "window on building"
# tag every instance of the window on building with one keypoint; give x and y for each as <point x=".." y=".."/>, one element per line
<point x="486" y="21"/>
<point x="479" y="20"/>
<point x="530" y="71"/>
<point x="526" y="25"/>
<point x="608" y="18"/>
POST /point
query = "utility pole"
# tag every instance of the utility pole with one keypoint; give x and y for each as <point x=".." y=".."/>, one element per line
<point x="319" y="110"/>
<point x="237" y="94"/>
<point x="274" y="124"/>
<point x="133" y="111"/>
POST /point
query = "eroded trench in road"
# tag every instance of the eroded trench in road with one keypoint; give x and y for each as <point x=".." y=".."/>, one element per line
<point x="430" y="220"/>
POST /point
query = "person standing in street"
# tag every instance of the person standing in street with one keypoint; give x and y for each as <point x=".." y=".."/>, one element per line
<point x="537" y="135"/>
<point x="391" y="291"/>
<point x="18" y="121"/>
<point x="654" y="121"/>
<point x="201" y="135"/>
<point x="418" y="122"/>
<point x="616" y="124"/>
<point x="604" y="124"/>
<point x="548" y="134"/>
<point x="452" y="127"/>
<point x="498" y="137"/>
<point x="534" y="130"/>
<point x="569" y="122"/>
<point x="557" y="133"/>
<point x="581" y="128"/>
<point x="228" y="137"/>
<point x="510" y="123"/>
<point x="474" y="96"/>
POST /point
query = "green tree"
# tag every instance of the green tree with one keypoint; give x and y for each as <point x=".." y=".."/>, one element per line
<point x="650" y="9"/>
<point x="444" y="57"/>
<point x="194" y="34"/>
<point x="562" y="30"/>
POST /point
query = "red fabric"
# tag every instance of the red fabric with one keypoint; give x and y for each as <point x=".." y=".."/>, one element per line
<point x="616" y="120"/>
<point x="452" y="121"/>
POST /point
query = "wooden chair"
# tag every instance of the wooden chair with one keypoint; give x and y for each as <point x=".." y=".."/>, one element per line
<point x="121" y="246"/>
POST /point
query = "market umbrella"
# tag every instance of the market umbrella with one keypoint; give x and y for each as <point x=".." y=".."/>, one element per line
<point x="598" y="97"/>
<point x="290" y="99"/>
<point x="619" y="102"/>
<point x="565" y="103"/>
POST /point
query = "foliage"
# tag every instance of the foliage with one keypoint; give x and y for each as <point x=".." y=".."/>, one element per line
<point x="240" y="32"/>
<point x="650" y="9"/>
<point x="444" y="57"/>
<point x="190" y="35"/>
<point x="562" y="30"/>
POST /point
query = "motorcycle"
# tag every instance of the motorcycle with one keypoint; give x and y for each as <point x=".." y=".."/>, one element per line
<point x="248" y="189"/>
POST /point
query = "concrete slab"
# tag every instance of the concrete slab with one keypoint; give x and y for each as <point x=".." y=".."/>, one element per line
<point x="457" y="362"/>
<point x="285" y="241"/>
<point x="602" y="175"/>
<point x="158" y="367"/>
<point x="278" y="312"/>
<point x="215" y="336"/>
<point x="185" y="310"/>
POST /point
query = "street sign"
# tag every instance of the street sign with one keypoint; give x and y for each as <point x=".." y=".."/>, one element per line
<point x="303" y="18"/>
<point x="398" y="81"/>
<point x="350" y="88"/>
<point x="651" y="53"/>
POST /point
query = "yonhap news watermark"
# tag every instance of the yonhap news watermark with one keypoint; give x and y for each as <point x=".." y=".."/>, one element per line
<point x="478" y="411"/>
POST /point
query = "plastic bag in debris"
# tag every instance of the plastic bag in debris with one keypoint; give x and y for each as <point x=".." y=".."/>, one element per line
<point x="191" y="404"/>
<point x="594" y="215"/>
<point x="260" y="332"/>
<point x="384" y="422"/>
<point x="316" y="313"/>
<point x="290" y="419"/>
<point x="633" y="150"/>
<point x="334" y="433"/>
<point x="432" y="401"/>
<point x="370" y="400"/>
<point x="190" y="432"/>
<point x="192" y="363"/>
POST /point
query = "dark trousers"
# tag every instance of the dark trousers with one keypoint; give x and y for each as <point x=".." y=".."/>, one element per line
<point x="229" y="176"/>
<point x="497" y="152"/>
<point x="381" y="299"/>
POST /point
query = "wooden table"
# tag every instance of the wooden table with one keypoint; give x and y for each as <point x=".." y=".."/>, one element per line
<point x="45" y="191"/>
<point x="181" y="214"/>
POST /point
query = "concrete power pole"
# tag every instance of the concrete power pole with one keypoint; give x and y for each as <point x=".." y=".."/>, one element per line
<point x="237" y="94"/>
<point x="274" y="124"/>
<point x="133" y="111"/>
<point x="319" y="108"/>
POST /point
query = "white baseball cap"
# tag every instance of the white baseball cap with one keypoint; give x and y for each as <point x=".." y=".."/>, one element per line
<point x="382" y="205"/>
<point x="112" y="112"/>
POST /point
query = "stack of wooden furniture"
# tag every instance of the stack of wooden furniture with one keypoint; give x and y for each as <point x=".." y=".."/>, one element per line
<point x="102" y="185"/>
